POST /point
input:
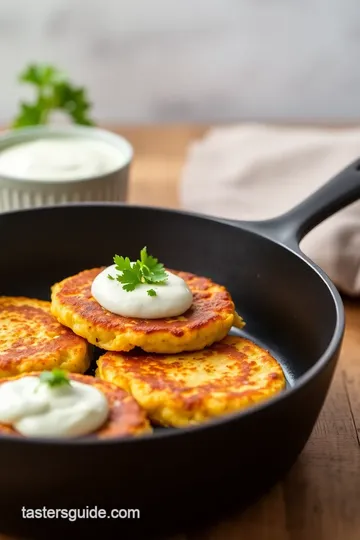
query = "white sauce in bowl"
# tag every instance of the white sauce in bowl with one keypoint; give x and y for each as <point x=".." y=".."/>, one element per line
<point x="36" y="409"/>
<point x="172" y="298"/>
<point x="60" y="158"/>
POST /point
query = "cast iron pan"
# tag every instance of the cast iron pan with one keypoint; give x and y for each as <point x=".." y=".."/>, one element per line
<point x="175" y="477"/>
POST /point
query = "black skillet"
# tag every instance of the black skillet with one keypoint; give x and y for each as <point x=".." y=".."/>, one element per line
<point x="174" y="476"/>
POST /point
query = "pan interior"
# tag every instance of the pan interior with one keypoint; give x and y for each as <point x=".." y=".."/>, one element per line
<point x="287" y="306"/>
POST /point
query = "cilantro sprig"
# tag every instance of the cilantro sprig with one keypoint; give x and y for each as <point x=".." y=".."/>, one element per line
<point x="147" y="269"/>
<point x="53" y="92"/>
<point x="56" y="377"/>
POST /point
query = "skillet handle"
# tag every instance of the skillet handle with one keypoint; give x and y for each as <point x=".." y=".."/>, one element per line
<point x="291" y="227"/>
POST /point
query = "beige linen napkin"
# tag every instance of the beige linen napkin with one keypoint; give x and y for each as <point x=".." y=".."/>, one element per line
<point x="253" y="171"/>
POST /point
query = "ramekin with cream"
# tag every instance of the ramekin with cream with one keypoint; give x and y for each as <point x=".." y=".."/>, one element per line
<point x="49" y="165"/>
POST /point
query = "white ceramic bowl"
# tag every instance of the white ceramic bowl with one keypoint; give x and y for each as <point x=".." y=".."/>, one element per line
<point x="18" y="193"/>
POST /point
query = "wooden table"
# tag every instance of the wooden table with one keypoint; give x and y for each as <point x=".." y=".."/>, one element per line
<point x="320" y="498"/>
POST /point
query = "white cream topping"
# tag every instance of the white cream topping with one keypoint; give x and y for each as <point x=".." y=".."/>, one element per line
<point x="36" y="409"/>
<point x="172" y="298"/>
<point x="61" y="158"/>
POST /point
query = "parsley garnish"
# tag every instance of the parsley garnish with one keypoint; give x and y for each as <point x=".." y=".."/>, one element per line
<point x="54" y="92"/>
<point x="56" y="377"/>
<point x="147" y="269"/>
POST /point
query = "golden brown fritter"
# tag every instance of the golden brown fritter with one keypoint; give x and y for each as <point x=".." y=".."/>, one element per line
<point x="126" y="417"/>
<point x="190" y="388"/>
<point x="31" y="339"/>
<point x="208" y="320"/>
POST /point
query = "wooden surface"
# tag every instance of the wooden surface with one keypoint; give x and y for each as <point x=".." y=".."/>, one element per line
<point x="160" y="154"/>
<point x="320" y="498"/>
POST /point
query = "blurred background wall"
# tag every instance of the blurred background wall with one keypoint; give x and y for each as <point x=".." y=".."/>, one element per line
<point x="182" y="60"/>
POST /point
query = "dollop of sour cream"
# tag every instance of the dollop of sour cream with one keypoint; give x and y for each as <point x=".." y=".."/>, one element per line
<point x="172" y="298"/>
<point x="60" y="158"/>
<point x="36" y="409"/>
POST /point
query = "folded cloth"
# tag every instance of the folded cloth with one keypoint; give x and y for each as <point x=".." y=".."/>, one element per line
<point x="253" y="172"/>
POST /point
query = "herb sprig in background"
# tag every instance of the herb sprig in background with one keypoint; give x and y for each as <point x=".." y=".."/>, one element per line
<point x="53" y="92"/>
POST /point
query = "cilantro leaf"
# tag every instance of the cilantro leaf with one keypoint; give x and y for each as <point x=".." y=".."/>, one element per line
<point x="128" y="287"/>
<point x="143" y="255"/>
<point x="148" y="260"/>
<point x="41" y="75"/>
<point x="129" y="279"/>
<point x="56" y="377"/>
<point x="151" y="292"/>
<point x="53" y="91"/>
<point x="158" y="275"/>
<point x="147" y="269"/>
<point x="153" y="267"/>
<point x="122" y="263"/>
<point x="29" y="115"/>
<point x="74" y="102"/>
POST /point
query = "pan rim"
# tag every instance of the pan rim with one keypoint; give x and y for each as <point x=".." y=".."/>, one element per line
<point x="234" y="417"/>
